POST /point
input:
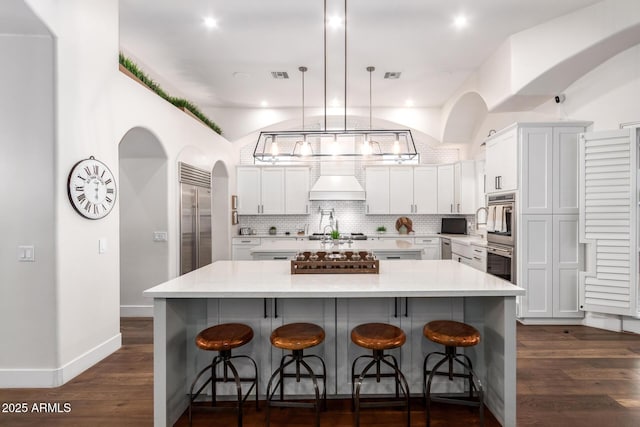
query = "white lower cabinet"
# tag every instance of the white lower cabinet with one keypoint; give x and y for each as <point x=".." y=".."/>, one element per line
<point x="241" y="248"/>
<point x="479" y="258"/>
<point x="550" y="258"/>
<point x="430" y="247"/>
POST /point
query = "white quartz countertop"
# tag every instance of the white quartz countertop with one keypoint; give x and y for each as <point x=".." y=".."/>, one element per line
<point x="273" y="279"/>
<point x="387" y="245"/>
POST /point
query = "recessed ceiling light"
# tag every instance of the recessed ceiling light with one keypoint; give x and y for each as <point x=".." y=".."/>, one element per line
<point x="335" y="21"/>
<point x="264" y="104"/>
<point x="210" y="22"/>
<point x="460" y="22"/>
<point x="409" y="103"/>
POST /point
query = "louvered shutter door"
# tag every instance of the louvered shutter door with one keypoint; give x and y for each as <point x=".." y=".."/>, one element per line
<point x="607" y="223"/>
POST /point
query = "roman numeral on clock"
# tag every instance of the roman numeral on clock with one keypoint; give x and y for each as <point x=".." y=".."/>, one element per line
<point x="107" y="182"/>
<point x="79" y="188"/>
<point x="110" y="190"/>
<point x="108" y="199"/>
<point x="87" y="170"/>
<point x="87" y="207"/>
<point x="81" y="198"/>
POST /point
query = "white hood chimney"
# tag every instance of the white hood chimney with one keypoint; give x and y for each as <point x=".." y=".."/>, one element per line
<point x="337" y="181"/>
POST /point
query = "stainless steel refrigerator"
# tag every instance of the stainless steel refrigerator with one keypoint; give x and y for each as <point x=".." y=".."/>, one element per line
<point x="195" y="217"/>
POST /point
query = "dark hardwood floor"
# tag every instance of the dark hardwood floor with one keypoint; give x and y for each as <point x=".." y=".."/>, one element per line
<point x="567" y="376"/>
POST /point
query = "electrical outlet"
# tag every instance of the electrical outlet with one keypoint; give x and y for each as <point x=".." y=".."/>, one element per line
<point x="160" y="236"/>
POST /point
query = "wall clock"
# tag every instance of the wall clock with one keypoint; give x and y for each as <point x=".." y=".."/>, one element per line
<point x="92" y="188"/>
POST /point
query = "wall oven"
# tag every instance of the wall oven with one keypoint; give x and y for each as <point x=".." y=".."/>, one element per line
<point x="501" y="219"/>
<point x="501" y="236"/>
<point x="501" y="261"/>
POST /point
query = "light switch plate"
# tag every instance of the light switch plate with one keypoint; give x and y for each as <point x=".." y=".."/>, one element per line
<point x="102" y="246"/>
<point x="26" y="253"/>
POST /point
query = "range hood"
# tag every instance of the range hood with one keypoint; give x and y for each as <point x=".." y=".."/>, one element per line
<point x="337" y="187"/>
<point x="337" y="179"/>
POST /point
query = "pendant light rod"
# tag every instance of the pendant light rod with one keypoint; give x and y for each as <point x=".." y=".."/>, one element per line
<point x="325" y="65"/>
<point x="370" y="69"/>
<point x="303" y="70"/>
<point x="345" y="65"/>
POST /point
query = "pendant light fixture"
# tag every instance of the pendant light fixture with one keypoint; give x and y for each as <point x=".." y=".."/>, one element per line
<point x="372" y="145"/>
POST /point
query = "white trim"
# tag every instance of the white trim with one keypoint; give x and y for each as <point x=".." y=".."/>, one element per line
<point x="631" y="325"/>
<point x="49" y="378"/>
<point x="549" y="321"/>
<point x="609" y="322"/>
<point x="136" y="311"/>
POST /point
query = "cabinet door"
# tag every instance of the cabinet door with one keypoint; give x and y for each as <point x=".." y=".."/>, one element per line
<point x="536" y="196"/>
<point x="400" y="190"/>
<point x="502" y="162"/>
<point x="464" y="188"/>
<point x="565" y="169"/>
<point x="425" y="190"/>
<point x="445" y="189"/>
<point x="249" y="201"/>
<point x="377" y="189"/>
<point x="272" y="189"/>
<point x="351" y="312"/>
<point x="319" y="311"/>
<point x="567" y="262"/>
<point x="537" y="265"/>
<point x="296" y="191"/>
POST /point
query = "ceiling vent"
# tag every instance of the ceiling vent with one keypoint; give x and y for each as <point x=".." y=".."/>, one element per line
<point x="392" y="75"/>
<point x="279" y="75"/>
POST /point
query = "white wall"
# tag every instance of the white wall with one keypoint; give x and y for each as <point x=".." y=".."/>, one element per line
<point x="78" y="292"/>
<point x="27" y="191"/>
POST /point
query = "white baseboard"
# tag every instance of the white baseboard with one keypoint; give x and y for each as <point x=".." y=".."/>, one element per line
<point x="546" y="321"/>
<point x="136" y="311"/>
<point x="609" y="322"/>
<point x="631" y="325"/>
<point x="48" y="378"/>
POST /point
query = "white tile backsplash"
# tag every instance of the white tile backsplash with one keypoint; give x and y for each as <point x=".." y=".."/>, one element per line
<point x="351" y="219"/>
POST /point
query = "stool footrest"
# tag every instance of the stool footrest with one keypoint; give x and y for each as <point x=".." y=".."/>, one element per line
<point x="291" y="404"/>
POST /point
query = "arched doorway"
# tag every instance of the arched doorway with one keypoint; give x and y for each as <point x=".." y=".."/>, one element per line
<point x="144" y="251"/>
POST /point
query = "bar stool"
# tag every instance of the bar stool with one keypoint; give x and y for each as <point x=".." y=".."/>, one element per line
<point x="378" y="337"/>
<point x="297" y="337"/>
<point x="222" y="338"/>
<point x="452" y="334"/>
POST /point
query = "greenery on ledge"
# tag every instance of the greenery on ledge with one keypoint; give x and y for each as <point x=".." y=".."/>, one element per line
<point x="178" y="102"/>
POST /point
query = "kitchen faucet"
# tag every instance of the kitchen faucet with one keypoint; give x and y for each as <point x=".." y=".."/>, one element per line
<point x="324" y="232"/>
<point x="486" y="212"/>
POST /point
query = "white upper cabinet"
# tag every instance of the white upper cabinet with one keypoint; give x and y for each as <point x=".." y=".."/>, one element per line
<point x="272" y="187"/>
<point x="445" y="189"/>
<point x="457" y="188"/>
<point x="425" y="190"/>
<point x="297" y="190"/>
<point x="377" y="189"/>
<point x="249" y="191"/>
<point x="401" y="190"/>
<point x="549" y="173"/>
<point x="272" y="190"/>
<point x="502" y="162"/>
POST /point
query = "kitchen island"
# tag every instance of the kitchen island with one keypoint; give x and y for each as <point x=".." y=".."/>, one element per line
<point x="382" y="249"/>
<point x="264" y="295"/>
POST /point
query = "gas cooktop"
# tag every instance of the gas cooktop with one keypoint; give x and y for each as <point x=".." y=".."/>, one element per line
<point x="346" y="236"/>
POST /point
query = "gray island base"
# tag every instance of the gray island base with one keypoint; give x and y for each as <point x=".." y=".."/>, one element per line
<point x="264" y="295"/>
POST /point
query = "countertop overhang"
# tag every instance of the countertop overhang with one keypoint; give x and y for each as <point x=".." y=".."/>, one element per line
<point x="357" y="245"/>
<point x="273" y="279"/>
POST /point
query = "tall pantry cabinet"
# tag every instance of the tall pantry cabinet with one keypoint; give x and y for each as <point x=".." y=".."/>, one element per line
<point x="548" y="254"/>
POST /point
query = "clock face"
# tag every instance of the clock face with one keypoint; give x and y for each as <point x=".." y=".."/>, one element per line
<point x="92" y="188"/>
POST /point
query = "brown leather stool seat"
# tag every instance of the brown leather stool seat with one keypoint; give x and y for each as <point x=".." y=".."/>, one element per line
<point x="378" y="337"/>
<point x="297" y="337"/>
<point x="223" y="338"/>
<point x="452" y="334"/>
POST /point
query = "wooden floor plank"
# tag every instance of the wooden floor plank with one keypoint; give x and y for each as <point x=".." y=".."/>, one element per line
<point x="567" y="375"/>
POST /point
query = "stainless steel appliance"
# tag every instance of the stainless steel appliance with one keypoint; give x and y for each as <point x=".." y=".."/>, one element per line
<point x="195" y="217"/>
<point x="504" y="207"/>
<point x="453" y="226"/>
<point x="501" y="261"/>
<point x="501" y="241"/>
<point x="245" y="231"/>
<point x="445" y="248"/>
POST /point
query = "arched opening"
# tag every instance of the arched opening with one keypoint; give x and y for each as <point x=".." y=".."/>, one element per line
<point x="466" y="115"/>
<point x="144" y="251"/>
<point x="221" y="217"/>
